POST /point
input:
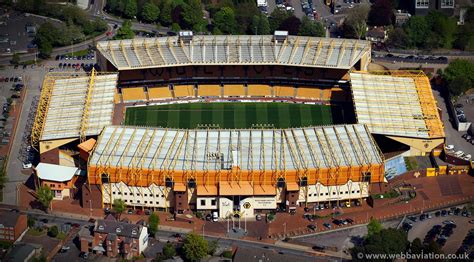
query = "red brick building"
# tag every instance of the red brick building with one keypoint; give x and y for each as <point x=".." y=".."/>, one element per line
<point x="12" y="226"/>
<point x="113" y="239"/>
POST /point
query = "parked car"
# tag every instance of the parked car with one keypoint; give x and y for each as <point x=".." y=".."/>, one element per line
<point x="312" y="227"/>
<point x="447" y="222"/>
<point x="349" y="220"/>
<point x="27" y="165"/>
<point x="327" y="225"/>
<point x="258" y="217"/>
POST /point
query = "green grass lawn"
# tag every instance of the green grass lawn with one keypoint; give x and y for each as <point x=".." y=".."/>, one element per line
<point x="231" y="115"/>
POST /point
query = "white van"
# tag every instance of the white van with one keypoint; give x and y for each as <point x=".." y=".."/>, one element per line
<point x="215" y="216"/>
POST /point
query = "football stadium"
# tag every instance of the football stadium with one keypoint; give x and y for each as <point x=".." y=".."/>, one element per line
<point x="233" y="124"/>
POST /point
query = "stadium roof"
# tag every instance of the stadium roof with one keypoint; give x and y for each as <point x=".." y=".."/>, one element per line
<point x="246" y="149"/>
<point x="400" y="104"/>
<point x="77" y="104"/>
<point x="233" y="50"/>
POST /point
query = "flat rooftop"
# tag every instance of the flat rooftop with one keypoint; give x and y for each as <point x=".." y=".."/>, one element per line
<point x="234" y="50"/>
<point x="246" y="149"/>
<point x="77" y="104"/>
<point x="396" y="103"/>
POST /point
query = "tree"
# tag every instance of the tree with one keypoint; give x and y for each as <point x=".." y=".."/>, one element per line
<point x="118" y="206"/>
<point x="225" y="20"/>
<point x="131" y="9"/>
<point x="386" y="241"/>
<point x="356" y="21"/>
<point x="212" y="247"/>
<point x="165" y="14"/>
<point x="417" y="30"/>
<point x="175" y="27"/>
<point x="195" y="247"/>
<point x="125" y="32"/>
<point x="193" y="16"/>
<point x="291" y="24"/>
<point x="45" y="196"/>
<point x="398" y="38"/>
<point x="150" y="12"/>
<point x="260" y="25"/>
<point x="459" y="67"/>
<point x="443" y="27"/>
<point x="277" y="17"/>
<point x="45" y="49"/>
<point x="311" y="28"/>
<point x="153" y="222"/>
<point x="15" y="59"/>
<point x="53" y="231"/>
<point x="381" y="13"/>
<point x="374" y="227"/>
<point x="169" y="251"/>
<point x="416" y="246"/>
<point x="30" y="222"/>
<point x="244" y="13"/>
<point x="459" y="85"/>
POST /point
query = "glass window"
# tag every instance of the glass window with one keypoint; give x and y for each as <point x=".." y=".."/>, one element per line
<point x="447" y="3"/>
<point x="422" y="3"/>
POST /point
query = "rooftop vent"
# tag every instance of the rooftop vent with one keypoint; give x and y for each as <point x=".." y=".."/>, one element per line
<point x="101" y="227"/>
<point x="118" y="230"/>
<point x="186" y="36"/>
<point x="134" y="231"/>
<point x="280" y="36"/>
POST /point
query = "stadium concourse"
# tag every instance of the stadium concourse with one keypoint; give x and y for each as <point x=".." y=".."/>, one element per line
<point x="232" y="124"/>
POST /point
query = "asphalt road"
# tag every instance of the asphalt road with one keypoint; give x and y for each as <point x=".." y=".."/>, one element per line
<point x="167" y="235"/>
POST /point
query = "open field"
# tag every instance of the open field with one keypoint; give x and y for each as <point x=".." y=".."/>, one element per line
<point x="231" y="115"/>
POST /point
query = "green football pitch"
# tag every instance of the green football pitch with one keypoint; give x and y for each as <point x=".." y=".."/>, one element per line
<point x="231" y="115"/>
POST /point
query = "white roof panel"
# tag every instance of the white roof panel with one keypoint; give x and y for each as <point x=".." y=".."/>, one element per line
<point x="67" y="103"/>
<point x="249" y="149"/>
<point x="388" y="105"/>
<point x="56" y="173"/>
<point x="233" y="50"/>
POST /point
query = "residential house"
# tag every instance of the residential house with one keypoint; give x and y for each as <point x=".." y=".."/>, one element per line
<point x="113" y="239"/>
<point x="376" y="35"/>
<point x="12" y="226"/>
<point x="423" y="7"/>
